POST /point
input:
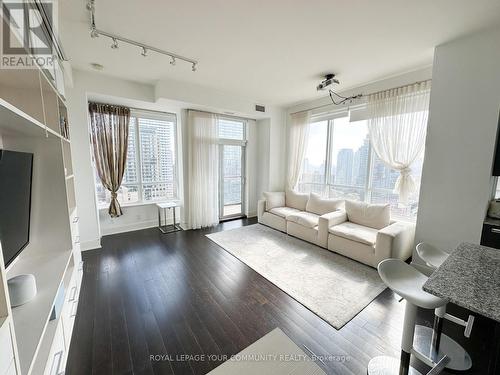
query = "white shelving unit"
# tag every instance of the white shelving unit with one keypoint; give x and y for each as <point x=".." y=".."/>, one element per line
<point x="33" y="118"/>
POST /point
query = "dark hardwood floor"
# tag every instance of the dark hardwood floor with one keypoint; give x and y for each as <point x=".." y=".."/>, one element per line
<point x="146" y="294"/>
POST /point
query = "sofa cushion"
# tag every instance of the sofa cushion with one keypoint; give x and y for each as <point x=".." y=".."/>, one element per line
<point x="283" y="211"/>
<point x="306" y="219"/>
<point x="296" y="200"/>
<point x="355" y="232"/>
<point x="274" y="199"/>
<point x="375" y="216"/>
<point x="321" y="206"/>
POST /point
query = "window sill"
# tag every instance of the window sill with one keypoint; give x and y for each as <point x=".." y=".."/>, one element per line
<point x="137" y="204"/>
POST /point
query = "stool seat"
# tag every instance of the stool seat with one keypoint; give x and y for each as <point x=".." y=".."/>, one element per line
<point x="406" y="281"/>
<point x="431" y="255"/>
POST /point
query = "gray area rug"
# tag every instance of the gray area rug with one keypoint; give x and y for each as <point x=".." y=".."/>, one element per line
<point x="273" y="354"/>
<point x="334" y="287"/>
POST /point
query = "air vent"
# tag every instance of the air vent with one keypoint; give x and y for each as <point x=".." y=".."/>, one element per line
<point x="260" y="108"/>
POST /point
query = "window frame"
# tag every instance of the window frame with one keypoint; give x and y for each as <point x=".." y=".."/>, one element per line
<point x="232" y="142"/>
<point x="151" y="115"/>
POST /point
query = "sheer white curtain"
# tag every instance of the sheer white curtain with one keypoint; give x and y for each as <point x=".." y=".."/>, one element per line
<point x="298" y="134"/>
<point x="203" y="169"/>
<point x="397" y="126"/>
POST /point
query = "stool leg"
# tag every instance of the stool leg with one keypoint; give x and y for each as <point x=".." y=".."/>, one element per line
<point x="384" y="365"/>
<point x="437" y="328"/>
<point x="407" y="341"/>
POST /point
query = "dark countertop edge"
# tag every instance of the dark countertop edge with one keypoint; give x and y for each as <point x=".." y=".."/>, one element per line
<point x="468" y="307"/>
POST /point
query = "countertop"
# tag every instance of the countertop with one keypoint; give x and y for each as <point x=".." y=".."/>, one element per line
<point x="470" y="278"/>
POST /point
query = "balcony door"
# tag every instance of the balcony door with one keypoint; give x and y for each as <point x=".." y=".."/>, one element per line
<point x="231" y="168"/>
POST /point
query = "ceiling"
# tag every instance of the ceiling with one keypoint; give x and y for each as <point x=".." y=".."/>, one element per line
<point x="273" y="52"/>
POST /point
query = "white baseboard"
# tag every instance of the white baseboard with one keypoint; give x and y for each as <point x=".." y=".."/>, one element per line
<point x="91" y="245"/>
<point x="131" y="227"/>
<point x="252" y="214"/>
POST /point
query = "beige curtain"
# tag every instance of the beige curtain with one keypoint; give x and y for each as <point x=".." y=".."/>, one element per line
<point x="109" y="138"/>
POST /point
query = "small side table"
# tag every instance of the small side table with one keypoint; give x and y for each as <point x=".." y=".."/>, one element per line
<point x="163" y="206"/>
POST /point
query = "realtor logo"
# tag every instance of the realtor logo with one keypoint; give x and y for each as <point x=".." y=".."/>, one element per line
<point x="27" y="41"/>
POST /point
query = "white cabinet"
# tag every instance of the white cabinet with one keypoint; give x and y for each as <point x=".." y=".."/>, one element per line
<point x="7" y="365"/>
<point x="57" y="354"/>
<point x="68" y="312"/>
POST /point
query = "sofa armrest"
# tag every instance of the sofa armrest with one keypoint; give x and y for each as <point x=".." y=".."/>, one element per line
<point x="395" y="241"/>
<point x="261" y="208"/>
<point x="329" y="220"/>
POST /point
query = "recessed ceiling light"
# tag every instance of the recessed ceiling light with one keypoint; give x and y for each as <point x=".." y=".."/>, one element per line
<point x="97" y="66"/>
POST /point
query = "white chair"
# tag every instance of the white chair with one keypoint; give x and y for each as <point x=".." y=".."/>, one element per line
<point x="434" y="257"/>
<point x="407" y="282"/>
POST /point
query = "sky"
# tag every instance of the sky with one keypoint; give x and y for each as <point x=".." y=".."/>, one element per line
<point x="345" y="135"/>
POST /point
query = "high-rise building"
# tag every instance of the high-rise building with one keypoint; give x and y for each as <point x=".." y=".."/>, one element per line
<point x="360" y="163"/>
<point x="344" y="167"/>
<point x="157" y="166"/>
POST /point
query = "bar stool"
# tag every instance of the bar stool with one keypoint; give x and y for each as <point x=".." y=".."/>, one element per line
<point x="407" y="282"/>
<point x="434" y="257"/>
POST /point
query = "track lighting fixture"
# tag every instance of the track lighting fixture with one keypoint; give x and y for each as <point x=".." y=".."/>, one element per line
<point x="96" y="32"/>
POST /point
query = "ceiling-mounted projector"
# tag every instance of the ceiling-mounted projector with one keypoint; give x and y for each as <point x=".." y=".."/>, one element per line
<point x="328" y="81"/>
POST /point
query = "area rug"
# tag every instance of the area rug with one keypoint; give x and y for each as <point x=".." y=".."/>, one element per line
<point x="332" y="286"/>
<point x="273" y="354"/>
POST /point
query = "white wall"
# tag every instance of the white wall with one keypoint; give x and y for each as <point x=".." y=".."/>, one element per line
<point x="77" y="98"/>
<point x="464" y="109"/>
<point x="176" y="99"/>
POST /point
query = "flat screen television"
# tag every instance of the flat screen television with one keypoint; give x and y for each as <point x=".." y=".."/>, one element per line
<point x="16" y="170"/>
<point x="496" y="160"/>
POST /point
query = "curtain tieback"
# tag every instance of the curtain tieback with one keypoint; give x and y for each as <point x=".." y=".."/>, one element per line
<point x="114" y="195"/>
<point x="405" y="171"/>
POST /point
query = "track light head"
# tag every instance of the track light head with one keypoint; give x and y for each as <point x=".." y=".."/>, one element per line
<point x="94" y="33"/>
<point x="172" y="62"/>
<point x="144" y="52"/>
<point x="115" y="44"/>
<point x="193" y="68"/>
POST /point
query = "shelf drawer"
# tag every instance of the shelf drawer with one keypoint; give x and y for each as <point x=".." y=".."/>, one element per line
<point x="6" y="349"/>
<point x="57" y="355"/>
<point x="490" y="236"/>
<point x="69" y="309"/>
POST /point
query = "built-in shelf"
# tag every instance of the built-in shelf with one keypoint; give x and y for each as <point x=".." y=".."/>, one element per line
<point x="3" y="320"/>
<point x="45" y="345"/>
<point x="50" y="331"/>
<point x="34" y="119"/>
<point x="30" y="320"/>
<point x="13" y="121"/>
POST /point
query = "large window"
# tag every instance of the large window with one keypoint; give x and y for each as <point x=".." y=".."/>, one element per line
<point x="340" y="163"/>
<point x="151" y="169"/>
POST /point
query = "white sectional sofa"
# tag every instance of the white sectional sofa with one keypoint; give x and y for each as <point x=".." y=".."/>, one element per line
<point x="361" y="231"/>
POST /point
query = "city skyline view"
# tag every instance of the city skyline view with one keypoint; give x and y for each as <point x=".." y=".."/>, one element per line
<point x="354" y="171"/>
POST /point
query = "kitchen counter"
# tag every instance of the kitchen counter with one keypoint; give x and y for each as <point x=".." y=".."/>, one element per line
<point x="470" y="278"/>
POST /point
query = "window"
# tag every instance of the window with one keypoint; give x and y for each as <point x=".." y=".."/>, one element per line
<point x="151" y="170"/>
<point x="340" y="163"/>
